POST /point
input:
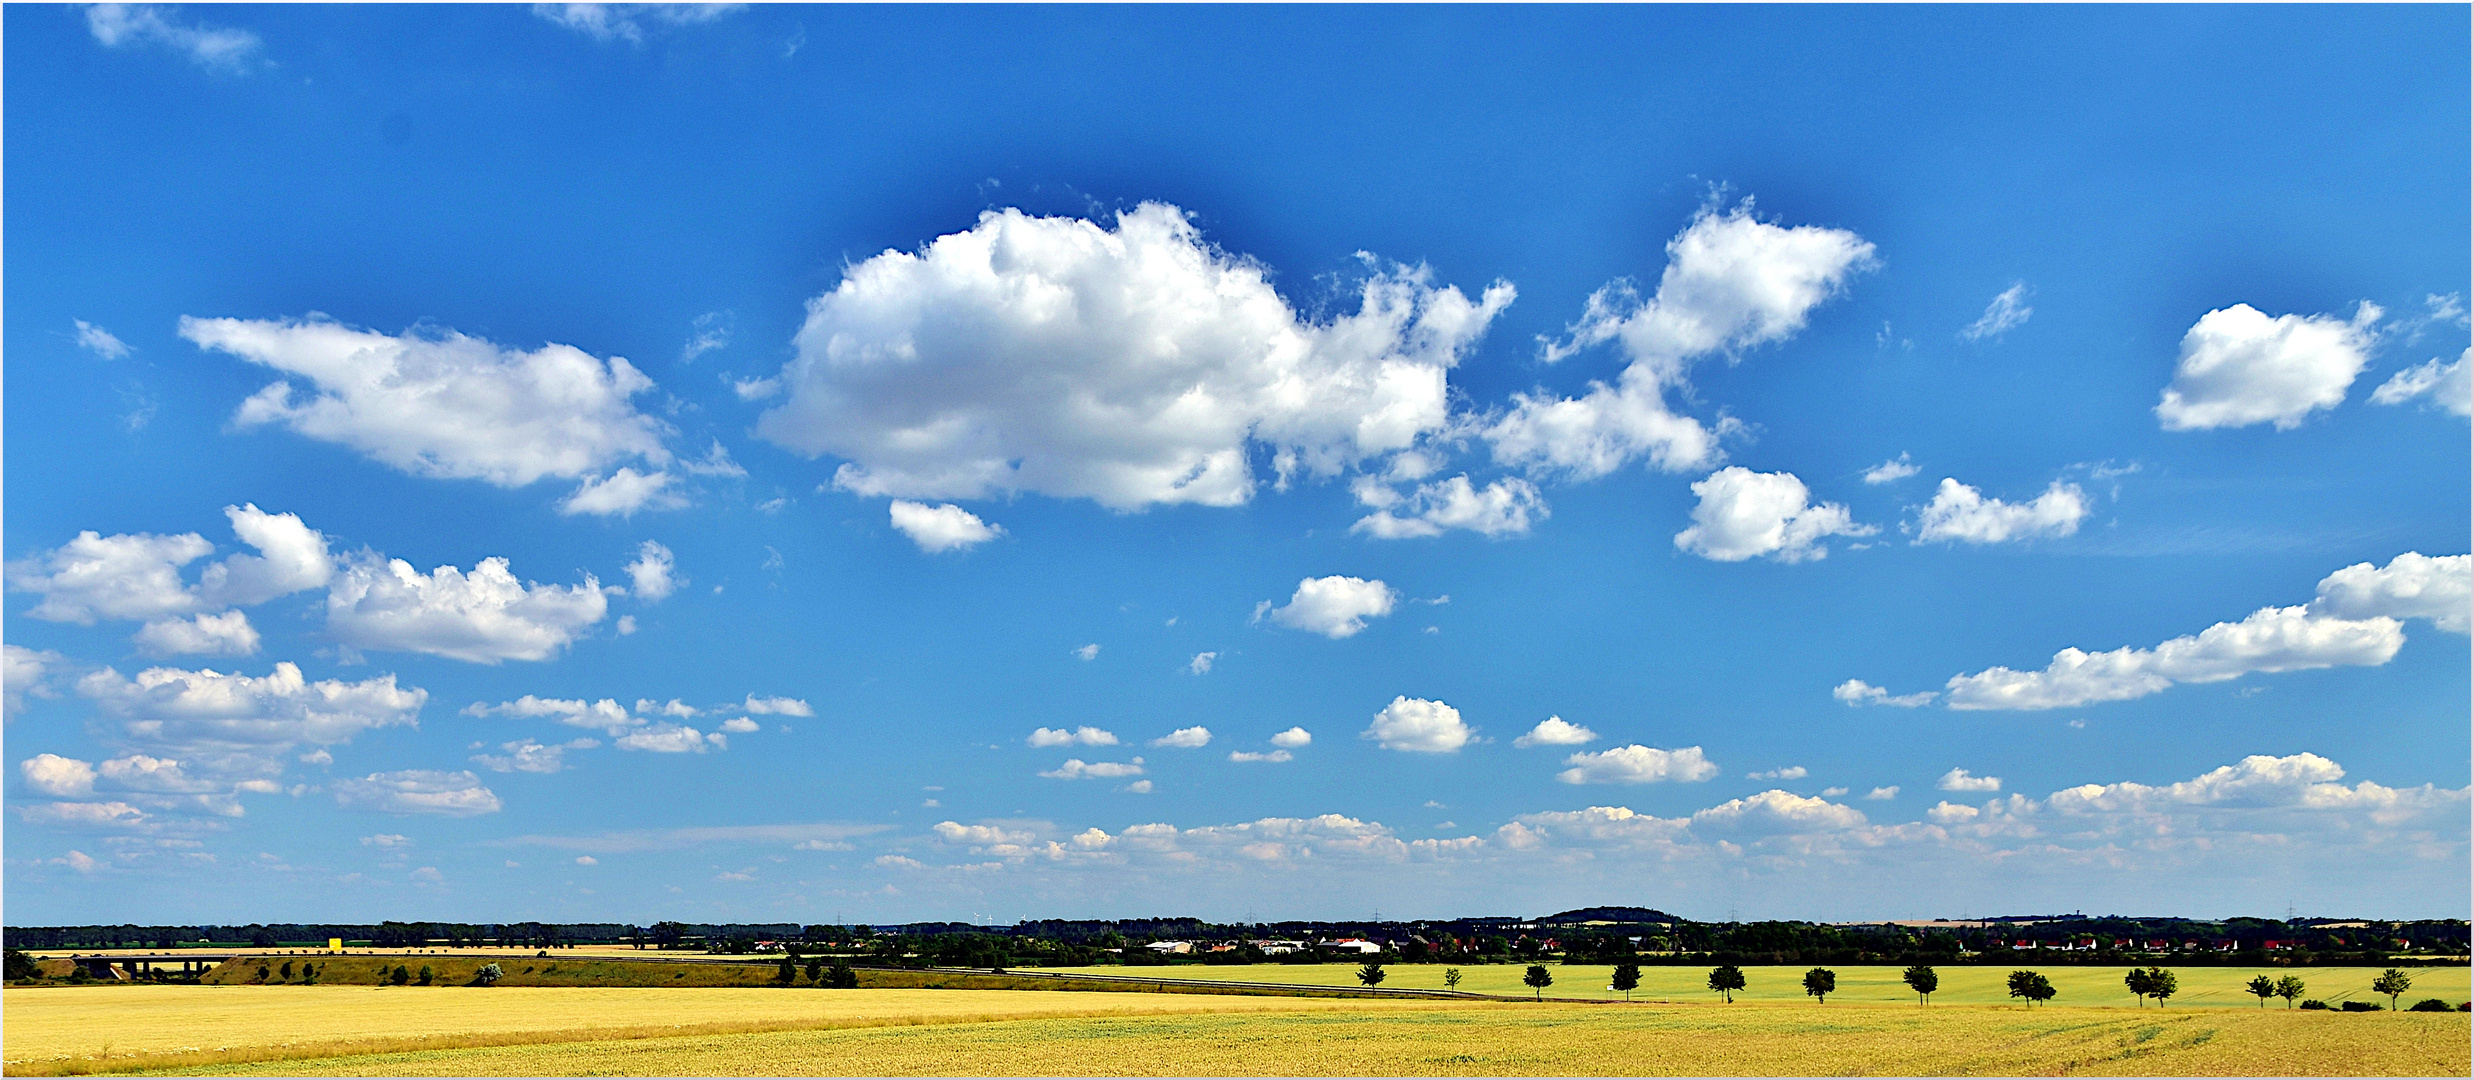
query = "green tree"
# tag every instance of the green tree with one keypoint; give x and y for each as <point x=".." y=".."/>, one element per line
<point x="815" y="970"/>
<point x="427" y="975"/>
<point x="2261" y="987"/>
<point x="22" y="966"/>
<point x="2289" y="988"/>
<point x="488" y="975"/>
<point x="2161" y="985"/>
<point x="1451" y="978"/>
<point x="2392" y="982"/>
<point x="788" y="972"/>
<point x="1627" y="979"/>
<point x="841" y="977"/>
<point x="1820" y="983"/>
<point x="400" y="975"/>
<point x="287" y="971"/>
<point x="1537" y="979"/>
<point x="1923" y="980"/>
<point x="2137" y="982"/>
<point x="2032" y="986"/>
<point x="1372" y="974"/>
<point x="1726" y="979"/>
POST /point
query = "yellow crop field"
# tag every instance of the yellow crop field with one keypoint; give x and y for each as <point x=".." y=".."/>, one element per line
<point x="1960" y="985"/>
<point x="1364" y="1038"/>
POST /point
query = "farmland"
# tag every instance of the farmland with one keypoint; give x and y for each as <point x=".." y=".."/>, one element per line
<point x="327" y="1030"/>
<point x="1960" y="985"/>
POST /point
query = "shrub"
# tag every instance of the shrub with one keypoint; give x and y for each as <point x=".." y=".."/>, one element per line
<point x="2314" y="1003"/>
<point x="2431" y="1005"/>
<point x="22" y="966"/>
<point x="488" y="975"/>
<point x="2359" y="1006"/>
<point x="427" y="975"/>
<point x="841" y="977"/>
<point x="400" y="975"/>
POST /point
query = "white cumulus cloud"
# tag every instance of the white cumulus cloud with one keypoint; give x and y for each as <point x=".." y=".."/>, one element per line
<point x="1959" y="780"/>
<point x="654" y="573"/>
<point x="483" y="617"/>
<point x="1248" y="756"/>
<point x="623" y="492"/>
<point x="2272" y="639"/>
<point x="1858" y="692"/>
<point x="1201" y="664"/>
<point x="2411" y="586"/>
<point x="418" y="791"/>
<point x="25" y="673"/>
<point x="2240" y="366"/>
<point x="1895" y="469"/>
<point x="1132" y="365"/>
<point x="1555" y="731"/>
<point x="1185" y="737"/>
<point x="52" y="774"/>
<point x="1743" y="513"/>
<point x="1292" y="738"/>
<point x="137" y="576"/>
<point x="228" y="634"/>
<point x="1086" y="652"/>
<point x="1791" y="772"/>
<point x="778" y="706"/>
<point x="531" y="755"/>
<point x="215" y="712"/>
<point x="1335" y="607"/>
<point x="1419" y="726"/>
<point x="2448" y="385"/>
<point x="1637" y="764"/>
<point x="1078" y="769"/>
<point x="1502" y="508"/>
<point x="1085" y="736"/>
<point x="1959" y="512"/>
<point x="941" y="528"/>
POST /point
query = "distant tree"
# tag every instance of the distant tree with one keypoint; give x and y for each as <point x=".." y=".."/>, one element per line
<point x="427" y="975"/>
<point x="309" y="974"/>
<point x="400" y="975"/>
<point x="2261" y="987"/>
<point x="2161" y="985"/>
<point x="788" y="973"/>
<point x="22" y="966"/>
<point x="262" y="938"/>
<point x="2032" y="986"/>
<point x="1923" y="980"/>
<point x="1451" y="978"/>
<point x="815" y="970"/>
<point x="841" y="977"/>
<point x="667" y="935"/>
<point x="488" y="975"/>
<point x="1820" y="983"/>
<point x="1627" y="979"/>
<point x="287" y="971"/>
<point x="2392" y="982"/>
<point x="2137" y="982"/>
<point x="2289" y="988"/>
<point x="1372" y="975"/>
<point x="1537" y="979"/>
<point x="1726" y="979"/>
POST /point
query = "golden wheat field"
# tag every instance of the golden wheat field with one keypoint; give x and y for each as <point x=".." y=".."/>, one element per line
<point x="519" y="1031"/>
<point x="1960" y="985"/>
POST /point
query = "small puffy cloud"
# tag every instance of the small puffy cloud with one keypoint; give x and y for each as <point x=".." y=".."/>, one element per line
<point x="79" y="861"/>
<point x="1857" y="692"/>
<point x="1946" y="812"/>
<point x="1292" y="738"/>
<point x="2447" y="385"/>
<point x="483" y="617"/>
<point x="1791" y="772"/>
<point x="1637" y="764"/>
<point x="941" y="528"/>
<point x="741" y="726"/>
<point x="1959" y="780"/>
<point x="1087" y="652"/>
<point x="1895" y="469"/>
<point x="2411" y="586"/>
<point x="1882" y="794"/>
<point x="25" y="673"/>
<point x="778" y="706"/>
<point x="587" y="860"/>
<point x="2241" y="367"/>
<point x="386" y="840"/>
<point x="673" y="707"/>
<point x="603" y="715"/>
<point x="1138" y="787"/>
<point x="1335" y="607"/>
<point x="1201" y="664"/>
<point x="418" y="791"/>
<point x="1187" y="737"/>
<point x="1732" y="282"/>
<point x="1084" y="736"/>
<point x="2008" y="311"/>
<point x="99" y="341"/>
<point x="532" y="756"/>
<point x="54" y="775"/>
<point x="626" y="22"/>
<point x="1959" y="512"/>
<point x="954" y="832"/>
<point x="623" y="492"/>
<point x="1743" y="513"/>
<point x="669" y="739"/>
<point x="1555" y="731"/>
<point x="1502" y="508"/>
<point x="269" y="714"/>
<point x="228" y="634"/>
<point x="212" y="48"/>
<point x="2272" y="639"/>
<point x="1246" y="756"/>
<point x="447" y="405"/>
<point x="137" y="576"/>
<point x="1419" y="726"/>
<point x="654" y="573"/>
<point x="1132" y="365"/>
<point x="1078" y="769"/>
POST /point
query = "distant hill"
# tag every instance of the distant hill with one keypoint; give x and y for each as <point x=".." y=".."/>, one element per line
<point x="1580" y="916"/>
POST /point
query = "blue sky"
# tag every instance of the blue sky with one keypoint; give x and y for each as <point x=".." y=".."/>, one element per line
<point x="637" y="463"/>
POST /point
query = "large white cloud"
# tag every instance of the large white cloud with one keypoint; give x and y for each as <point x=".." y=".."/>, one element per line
<point x="1132" y="366"/>
<point x="211" y="711"/>
<point x="1777" y="811"/>
<point x="418" y="791"/>
<point x="2240" y="366"/>
<point x="1959" y="512"/>
<point x="1637" y="764"/>
<point x="137" y="576"/>
<point x="1743" y="513"/>
<point x="2412" y="586"/>
<point x="484" y="617"/>
<point x="1335" y="606"/>
<point x="1419" y="726"/>
<point x="2448" y="385"/>
<point x="941" y="528"/>
<point x="448" y="405"/>
<point x="59" y="776"/>
<point x="1732" y="282"/>
<point x="2272" y="639"/>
